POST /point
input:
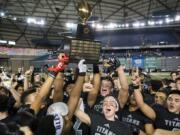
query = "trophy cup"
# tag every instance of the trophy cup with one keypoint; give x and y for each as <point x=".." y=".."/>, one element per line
<point x="83" y="30"/>
<point x="83" y="46"/>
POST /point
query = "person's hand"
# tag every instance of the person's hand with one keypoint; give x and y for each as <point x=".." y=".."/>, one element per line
<point x="87" y="87"/>
<point x="62" y="64"/>
<point x="136" y="79"/>
<point x="57" y="68"/>
<point x="82" y="67"/>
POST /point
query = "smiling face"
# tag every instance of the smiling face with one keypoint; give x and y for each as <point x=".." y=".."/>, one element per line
<point x="110" y="107"/>
<point x="173" y="103"/>
<point x="106" y="87"/>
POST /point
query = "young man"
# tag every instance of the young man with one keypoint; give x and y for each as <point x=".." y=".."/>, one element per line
<point x="106" y="123"/>
<point x="61" y="121"/>
<point x="106" y="88"/>
<point x="177" y="83"/>
<point x="165" y="118"/>
<point x="132" y="115"/>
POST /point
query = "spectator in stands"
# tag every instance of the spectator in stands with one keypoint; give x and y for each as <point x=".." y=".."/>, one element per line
<point x="174" y="75"/>
<point x="177" y="81"/>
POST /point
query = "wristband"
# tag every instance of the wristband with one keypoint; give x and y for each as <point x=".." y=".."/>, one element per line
<point x="95" y="69"/>
<point x="136" y="87"/>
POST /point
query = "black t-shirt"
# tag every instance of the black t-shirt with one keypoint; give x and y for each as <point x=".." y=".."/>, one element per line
<point x="99" y="104"/>
<point x="148" y="99"/>
<point x="165" y="119"/>
<point x="80" y="128"/>
<point x="101" y="126"/>
<point x="6" y="120"/>
<point x="135" y="118"/>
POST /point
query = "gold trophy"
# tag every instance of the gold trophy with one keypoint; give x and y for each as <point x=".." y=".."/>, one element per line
<point x="84" y="11"/>
<point x="83" y="45"/>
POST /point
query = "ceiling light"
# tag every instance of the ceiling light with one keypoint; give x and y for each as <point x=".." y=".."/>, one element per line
<point x="111" y="26"/>
<point x="2" y="14"/>
<point x="142" y="24"/>
<point x="127" y="25"/>
<point x="123" y="25"/>
<point x="168" y="20"/>
<point x="41" y="22"/>
<point x="14" y="18"/>
<point x="70" y="25"/>
<point x="31" y="20"/>
<point x="159" y="22"/>
<point x="177" y="18"/>
<point x="151" y="22"/>
<point x="99" y="26"/>
<point x="3" y="41"/>
<point x="93" y="25"/>
<point x="11" y="42"/>
<point x="136" y="24"/>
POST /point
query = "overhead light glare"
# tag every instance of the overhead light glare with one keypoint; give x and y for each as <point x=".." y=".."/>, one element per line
<point x="2" y="14"/>
<point x="136" y="24"/>
<point x="151" y="23"/>
<point x="11" y="42"/>
<point x="177" y="18"/>
<point x="99" y="26"/>
<point x="3" y="41"/>
<point x="70" y="25"/>
<point x="31" y="20"/>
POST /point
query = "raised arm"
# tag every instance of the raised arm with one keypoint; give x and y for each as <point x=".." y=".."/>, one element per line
<point x="42" y="94"/>
<point x="27" y="75"/>
<point x="146" y="109"/>
<point x="45" y="89"/>
<point x="76" y="91"/>
<point x="123" y="92"/>
<point x="82" y="116"/>
<point x="58" y="88"/>
<point x="92" y="95"/>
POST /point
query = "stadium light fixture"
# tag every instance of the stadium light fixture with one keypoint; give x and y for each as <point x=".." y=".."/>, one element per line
<point x="31" y="20"/>
<point x="168" y="20"/>
<point x="177" y="18"/>
<point x="99" y="26"/>
<point x="70" y="25"/>
<point x="127" y="25"/>
<point x="160" y="22"/>
<point x="151" y="23"/>
<point x="136" y="24"/>
<point x="11" y="42"/>
<point x="142" y="24"/>
<point x="3" y="42"/>
<point x="2" y="14"/>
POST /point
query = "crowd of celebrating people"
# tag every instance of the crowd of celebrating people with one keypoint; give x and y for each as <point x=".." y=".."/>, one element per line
<point x="83" y="103"/>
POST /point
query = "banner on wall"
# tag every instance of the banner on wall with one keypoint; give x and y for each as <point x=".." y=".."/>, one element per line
<point x="22" y="51"/>
<point x="138" y="61"/>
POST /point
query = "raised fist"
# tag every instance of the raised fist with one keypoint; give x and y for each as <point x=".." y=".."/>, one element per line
<point x="58" y="68"/>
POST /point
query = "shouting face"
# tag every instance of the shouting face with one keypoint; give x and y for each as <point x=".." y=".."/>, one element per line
<point x="106" y="87"/>
<point x="173" y="103"/>
<point x="110" y="106"/>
